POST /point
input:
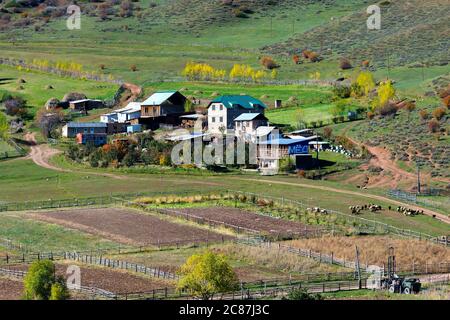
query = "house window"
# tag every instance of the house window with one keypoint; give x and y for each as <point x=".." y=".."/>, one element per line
<point x="92" y="130"/>
<point x="221" y="119"/>
<point x="221" y="107"/>
<point x="85" y="130"/>
<point x="213" y="107"/>
<point x="213" y="119"/>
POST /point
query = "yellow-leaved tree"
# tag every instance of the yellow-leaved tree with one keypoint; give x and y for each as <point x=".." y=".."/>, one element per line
<point x="204" y="275"/>
<point x="4" y="127"/>
<point x="386" y="92"/>
<point x="365" y="81"/>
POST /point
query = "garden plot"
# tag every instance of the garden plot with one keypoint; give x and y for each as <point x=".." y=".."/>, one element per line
<point x="128" y="227"/>
<point x="10" y="289"/>
<point x="249" y="220"/>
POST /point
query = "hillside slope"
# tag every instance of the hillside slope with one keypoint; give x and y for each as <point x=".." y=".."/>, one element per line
<point x="411" y="31"/>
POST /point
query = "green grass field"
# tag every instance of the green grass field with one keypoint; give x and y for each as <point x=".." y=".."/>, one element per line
<point x="26" y="182"/>
<point x="34" y="89"/>
<point x="39" y="236"/>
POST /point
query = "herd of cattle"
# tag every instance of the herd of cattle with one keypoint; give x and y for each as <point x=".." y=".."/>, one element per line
<point x="374" y="208"/>
<point x="370" y="207"/>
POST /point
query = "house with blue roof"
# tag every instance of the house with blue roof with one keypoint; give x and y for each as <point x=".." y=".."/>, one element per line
<point x="223" y="110"/>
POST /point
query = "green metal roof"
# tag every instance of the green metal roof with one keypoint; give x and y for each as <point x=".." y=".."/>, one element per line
<point x="244" y="101"/>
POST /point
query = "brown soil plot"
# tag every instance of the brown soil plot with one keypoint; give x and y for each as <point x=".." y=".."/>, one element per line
<point x="10" y="289"/>
<point x="249" y="220"/>
<point x="127" y="226"/>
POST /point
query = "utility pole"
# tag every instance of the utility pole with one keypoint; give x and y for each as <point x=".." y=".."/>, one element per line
<point x="358" y="268"/>
<point x="418" y="176"/>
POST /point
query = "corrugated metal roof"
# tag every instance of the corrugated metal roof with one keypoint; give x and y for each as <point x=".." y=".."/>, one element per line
<point x="264" y="130"/>
<point x="86" y="125"/>
<point x="283" y="141"/>
<point x="247" y="117"/>
<point x="245" y="101"/>
<point x="158" y="98"/>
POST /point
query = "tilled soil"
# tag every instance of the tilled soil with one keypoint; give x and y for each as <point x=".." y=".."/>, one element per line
<point x="250" y="220"/>
<point x="127" y="226"/>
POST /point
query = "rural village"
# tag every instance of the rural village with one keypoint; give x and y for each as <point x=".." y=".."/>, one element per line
<point x="238" y="153"/>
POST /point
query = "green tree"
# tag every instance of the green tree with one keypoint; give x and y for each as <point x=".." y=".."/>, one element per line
<point x="4" y="127"/>
<point x="204" y="275"/>
<point x="59" y="291"/>
<point x="287" y="164"/>
<point x="189" y="106"/>
<point x="39" y="280"/>
<point x="339" y="108"/>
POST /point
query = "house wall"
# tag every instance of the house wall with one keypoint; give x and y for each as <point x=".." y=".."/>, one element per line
<point x="72" y="132"/>
<point x="217" y="117"/>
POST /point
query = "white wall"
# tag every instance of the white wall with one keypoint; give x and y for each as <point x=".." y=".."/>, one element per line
<point x="216" y="111"/>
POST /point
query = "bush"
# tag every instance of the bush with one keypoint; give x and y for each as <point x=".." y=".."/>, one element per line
<point x="15" y="106"/>
<point x="133" y="68"/>
<point x="302" y="294"/>
<point x="345" y="64"/>
<point x="370" y="115"/>
<point x="388" y="109"/>
<point x="342" y="91"/>
<point x="446" y="102"/>
<point x="434" y="126"/>
<point x="439" y="113"/>
<point x="424" y="114"/>
<point x="59" y="291"/>
<point x="327" y="132"/>
<point x="269" y="63"/>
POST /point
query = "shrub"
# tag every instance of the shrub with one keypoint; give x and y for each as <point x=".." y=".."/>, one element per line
<point x="269" y="63"/>
<point x="446" y="102"/>
<point x="388" y="109"/>
<point x="345" y="64"/>
<point x="370" y="115"/>
<point x="15" y="106"/>
<point x="424" y="114"/>
<point x="434" y="126"/>
<point x="59" y="291"/>
<point x="302" y="294"/>
<point x="342" y="91"/>
<point x="133" y="68"/>
<point x="296" y="59"/>
<point x="327" y="132"/>
<point x="365" y="64"/>
<point x="311" y="55"/>
<point x="438" y="113"/>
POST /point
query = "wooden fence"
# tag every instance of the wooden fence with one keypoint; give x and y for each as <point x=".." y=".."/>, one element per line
<point x="362" y="224"/>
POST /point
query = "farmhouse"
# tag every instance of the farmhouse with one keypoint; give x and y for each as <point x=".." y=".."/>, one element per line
<point x="71" y="129"/>
<point x="223" y="110"/>
<point x="246" y="124"/>
<point x="123" y="115"/>
<point x="271" y="152"/>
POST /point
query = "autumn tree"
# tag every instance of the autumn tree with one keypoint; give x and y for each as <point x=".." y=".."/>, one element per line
<point x="439" y="113"/>
<point x="386" y="92"/>
<point x="365" y="81"/>
<point x="269" y="63"/>
<point x="204" y="275"/>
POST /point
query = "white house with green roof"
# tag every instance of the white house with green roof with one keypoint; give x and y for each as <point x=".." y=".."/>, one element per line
<point x="223" y="110"/>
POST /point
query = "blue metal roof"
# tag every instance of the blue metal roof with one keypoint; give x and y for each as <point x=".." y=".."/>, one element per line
<point x="283" y="141"/>
<point x="247" y="117"/>
<point x="86" y="125"/>
<point x="158" y="98"/>
<point x="244" y="101"/>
